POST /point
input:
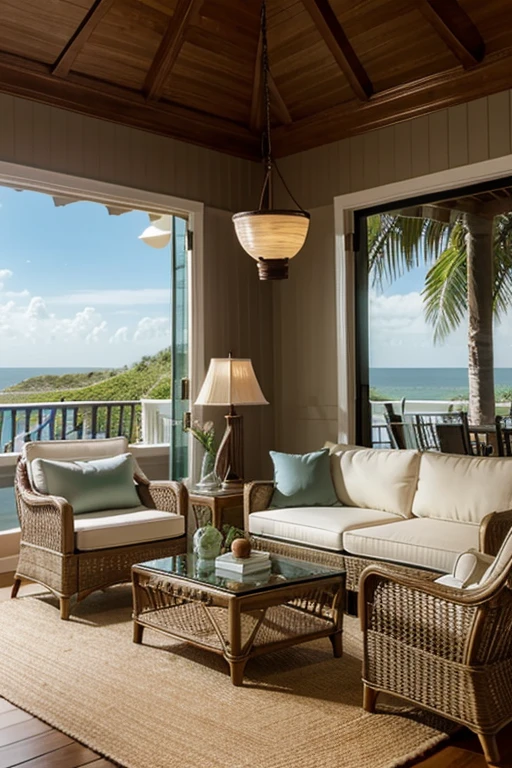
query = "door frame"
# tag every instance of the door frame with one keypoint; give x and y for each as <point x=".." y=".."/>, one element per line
<point x="66" y="185"/>
<point x="345" y="207"/>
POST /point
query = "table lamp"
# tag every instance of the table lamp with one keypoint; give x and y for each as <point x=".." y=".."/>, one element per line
<point x="231" y="381"/>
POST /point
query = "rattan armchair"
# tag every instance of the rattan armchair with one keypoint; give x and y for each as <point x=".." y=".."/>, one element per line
<point x="48" y="553"/>
<point x="447" y="650"/>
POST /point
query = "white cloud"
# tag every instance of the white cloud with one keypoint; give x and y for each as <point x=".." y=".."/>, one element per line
<point x="97" y="334"/>
<point x="37" y="309"/>
<point x="400" y="336"/>
<point x="120" y="336"/>
<point x="151" y="328"/>
<point x="142" y="296"/>
<point x="5" y="274"/>
<point x="17" y="294"/>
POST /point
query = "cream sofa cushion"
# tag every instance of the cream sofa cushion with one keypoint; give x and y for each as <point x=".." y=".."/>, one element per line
<point x="317" y="526"/>
<point x="376" y="479"/>
<point x="433" y="544"/>
<point x="463" y="488"/>
<point x="122" y="527"/>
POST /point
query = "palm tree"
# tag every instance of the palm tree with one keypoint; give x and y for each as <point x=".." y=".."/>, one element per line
<point x="470" y="273"/>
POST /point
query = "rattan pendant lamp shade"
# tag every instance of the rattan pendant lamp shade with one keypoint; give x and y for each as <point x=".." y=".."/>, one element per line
<point x="271" y="236"/>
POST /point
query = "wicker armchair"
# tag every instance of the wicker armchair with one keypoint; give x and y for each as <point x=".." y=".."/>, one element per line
<point x="48" y="552"/>
<point x="448" y="650"/>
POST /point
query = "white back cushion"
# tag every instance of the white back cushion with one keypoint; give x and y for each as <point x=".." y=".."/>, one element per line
<point x="72" y="450"/>
<point x="376" y="479"/>
<point x="463" y="488"/>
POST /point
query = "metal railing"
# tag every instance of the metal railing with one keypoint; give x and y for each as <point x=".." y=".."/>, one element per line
<point x="141" y="421"/>
<point x="380" y="432"/>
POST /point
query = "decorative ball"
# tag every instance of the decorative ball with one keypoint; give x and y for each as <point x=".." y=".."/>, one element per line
<point x="241" y="547"/>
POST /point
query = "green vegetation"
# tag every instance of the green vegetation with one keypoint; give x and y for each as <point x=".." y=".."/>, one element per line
<point x="49" y="383"/>
<point x="148" y="378"/>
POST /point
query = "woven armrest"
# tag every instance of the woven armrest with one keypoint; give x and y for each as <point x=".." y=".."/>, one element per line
<point x="165" y="495"/>
<point x="46" y="521"/>
<point x="257" y="496"/>
<point x="493" y="531"/>
<point x="417" y="612"/>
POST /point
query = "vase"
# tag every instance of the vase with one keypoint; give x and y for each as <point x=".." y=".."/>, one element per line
<point x="209" y="480"/>
<point x="207" y="542"/>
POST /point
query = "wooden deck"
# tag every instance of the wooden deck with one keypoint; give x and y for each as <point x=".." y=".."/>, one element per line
<point x="30" y="743"/>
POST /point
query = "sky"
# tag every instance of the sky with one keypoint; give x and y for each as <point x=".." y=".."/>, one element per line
<point x="77" y="286"/>
<point x="400" y="337"/>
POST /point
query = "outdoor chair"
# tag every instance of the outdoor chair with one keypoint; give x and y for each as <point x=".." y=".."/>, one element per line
<point x="74" y="553"/>
<point x="445" y="648"/>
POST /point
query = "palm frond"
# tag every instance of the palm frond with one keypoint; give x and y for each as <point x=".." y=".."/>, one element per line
<point x="502" y="293"/>
<point x="397" y="244"/>
<point x="445" y="291"/>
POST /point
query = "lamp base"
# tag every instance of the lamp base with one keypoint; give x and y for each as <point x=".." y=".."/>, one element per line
<point x="229" y="464"/>
<point x="273" y="269"/>
<point x="232" y="483"/>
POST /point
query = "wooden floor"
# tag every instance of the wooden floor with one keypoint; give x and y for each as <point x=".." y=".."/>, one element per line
<point x="30" y="743"/>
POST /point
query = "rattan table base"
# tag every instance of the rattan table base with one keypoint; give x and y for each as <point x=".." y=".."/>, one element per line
<point x="238" y="627"/>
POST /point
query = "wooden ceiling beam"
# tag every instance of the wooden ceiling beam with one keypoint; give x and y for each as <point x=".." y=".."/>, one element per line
<point x="338" y="43"/>
<point x="83" y="32"/>
<point x="33" y="80"/>
<point x="170" y="47"/>
<point x="277" y="103"/>
<point x="454" y="26"/>
<point x="455" y="86"/>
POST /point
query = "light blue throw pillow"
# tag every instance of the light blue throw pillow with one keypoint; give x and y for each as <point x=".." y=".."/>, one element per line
<point x="89" y="486"/>
<point x="303" y="481"/>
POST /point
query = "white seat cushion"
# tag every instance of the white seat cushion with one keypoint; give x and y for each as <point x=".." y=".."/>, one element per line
<point x="316" y="526"/>
<point x="422" y="542"/>
<point x="122" y="527"/>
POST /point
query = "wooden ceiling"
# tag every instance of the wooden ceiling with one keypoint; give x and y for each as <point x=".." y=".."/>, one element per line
<point x="191" y="69"/>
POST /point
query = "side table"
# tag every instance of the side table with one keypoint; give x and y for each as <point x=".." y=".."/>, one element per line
<point x="216" y="502"/>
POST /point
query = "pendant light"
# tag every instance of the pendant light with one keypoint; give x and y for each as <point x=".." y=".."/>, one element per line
<point x="271" y="236"/>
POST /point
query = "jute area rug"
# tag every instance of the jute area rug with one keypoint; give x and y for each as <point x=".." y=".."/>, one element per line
<point x="165" y="704"/>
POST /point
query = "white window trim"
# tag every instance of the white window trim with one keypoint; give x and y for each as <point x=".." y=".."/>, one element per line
<point x="344" y="208"/>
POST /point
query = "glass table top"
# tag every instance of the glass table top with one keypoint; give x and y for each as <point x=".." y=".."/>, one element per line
<point x="282" y="571"/>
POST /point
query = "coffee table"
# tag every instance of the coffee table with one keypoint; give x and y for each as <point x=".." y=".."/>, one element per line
<point x="239" y="617"/>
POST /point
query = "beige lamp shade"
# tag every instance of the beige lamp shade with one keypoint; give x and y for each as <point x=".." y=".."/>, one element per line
<point x="231" y="381"/>
<point x="158" y="234"/>
<point x="271" y="234"/>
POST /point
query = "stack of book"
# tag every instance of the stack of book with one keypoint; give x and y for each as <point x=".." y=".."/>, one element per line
<point x="229" y="565"/>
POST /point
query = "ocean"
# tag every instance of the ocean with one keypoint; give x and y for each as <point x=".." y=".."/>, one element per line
<point x="429" y="383"/>
<point x="8" y="377"/>
<point x="11" y="376"/>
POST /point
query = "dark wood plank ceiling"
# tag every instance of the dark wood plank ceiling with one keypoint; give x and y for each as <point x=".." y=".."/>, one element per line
<point x="190" y="69"/>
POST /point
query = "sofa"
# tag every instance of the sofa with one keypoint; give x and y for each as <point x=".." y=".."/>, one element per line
<point x="415" y="510"/>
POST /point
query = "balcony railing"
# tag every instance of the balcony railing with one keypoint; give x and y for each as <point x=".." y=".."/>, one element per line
<point x="380" y="433"/>
<point x="146" y="421"/>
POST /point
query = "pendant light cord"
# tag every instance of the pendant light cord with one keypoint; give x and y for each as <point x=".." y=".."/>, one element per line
<point x="266" y="141"/>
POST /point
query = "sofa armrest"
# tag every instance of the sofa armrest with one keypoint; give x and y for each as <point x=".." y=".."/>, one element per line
<point x="493" y="531"/>
<point x="257" y="496"/>
<point x="165" y="495"/>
